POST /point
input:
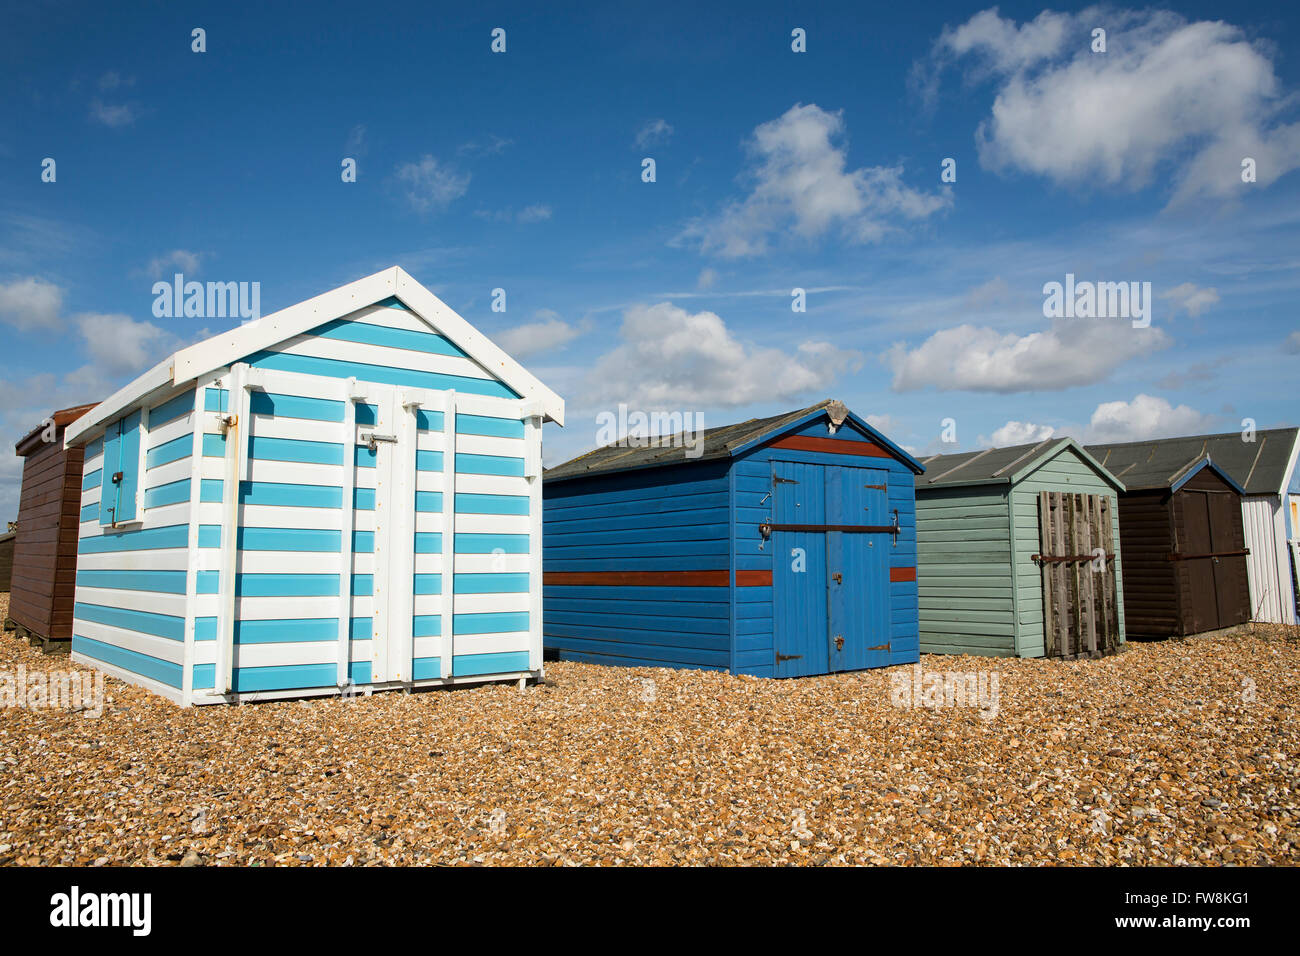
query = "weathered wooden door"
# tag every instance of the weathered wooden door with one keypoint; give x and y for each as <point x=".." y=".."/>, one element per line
<point x="1077" y="557"/>
<point x="1213" y="558"/>
<point x="1195" y="553"/>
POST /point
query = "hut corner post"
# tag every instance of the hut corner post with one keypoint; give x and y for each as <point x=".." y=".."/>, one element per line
<point x="352" y="393"/>
<point x="532" y="414"/>
<point x="236" y="465"/>
<point x="446" y="605"/>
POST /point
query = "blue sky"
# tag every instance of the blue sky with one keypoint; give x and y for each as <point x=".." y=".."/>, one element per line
<point x="774" y="170"/>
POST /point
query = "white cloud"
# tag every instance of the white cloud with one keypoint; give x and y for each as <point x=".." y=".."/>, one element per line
<point x="113" y="115"/>
<point x="1191" y="299"/>
<point x="1147" y="416"/>
<point x="707" y="279"/>
<point x="431" y="185"/>
<point x="1183" y="100"/>
<point x="492" y="146"/>
<point x="801" y="183"/>
<point x="994" y="292"/>
<point x="122" y="345"/>
<point x="671" y="358"/>
<point x="977" y="358"/>
<point x="30" y="304"/>
<point x="112" y="80"/>
<point x="535" y="213"/>
<point x="549" y="332"/>
<point x="885" y="424"/>
<point x="355" y="145"/>
<point x="1018" y="433"/>
<point x="1293" y="342"/>
<point x="186" y="261"/>
<point x="653" y="132"/>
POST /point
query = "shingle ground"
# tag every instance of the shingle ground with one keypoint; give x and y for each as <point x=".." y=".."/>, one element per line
<point x="1176" y="752"/>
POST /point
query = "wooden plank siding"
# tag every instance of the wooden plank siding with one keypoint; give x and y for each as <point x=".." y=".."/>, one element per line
<point x="6" y="560"/>
<point x="755" y="631"/>
<point x="325" y="589"/>
<point x="1150" y="586"/>
<point x="45" y="547"/>
<point x="1065" y="472"/>
<point x="661" y="538"/>
<point x="658" y="538"/>
<point x="964" y="570"/>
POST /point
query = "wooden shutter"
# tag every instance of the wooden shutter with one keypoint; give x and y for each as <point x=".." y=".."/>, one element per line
<point x="1077" y="557"/>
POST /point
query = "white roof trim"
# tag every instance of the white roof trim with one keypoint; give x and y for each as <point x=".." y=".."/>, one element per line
<point x="1290" y="467"/>
<point x="158" y="377"/>
<point x="190" y="363"/>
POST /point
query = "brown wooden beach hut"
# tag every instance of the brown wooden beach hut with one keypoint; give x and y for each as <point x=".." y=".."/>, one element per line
<point x="1181" y="534"/>
<point x="45" y="548"/>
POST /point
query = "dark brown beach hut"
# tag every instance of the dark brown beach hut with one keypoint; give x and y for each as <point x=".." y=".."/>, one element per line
<point x="1181" y="533"/>
<point x="45" y="548"/>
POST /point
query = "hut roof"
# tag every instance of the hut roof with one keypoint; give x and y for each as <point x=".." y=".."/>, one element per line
<point x="1261" y="467"/>
<point x="62" y="418"/>
<point x="1001" y="465"/>
<point x="721" y="442"/>
<point x="238" y="343"/>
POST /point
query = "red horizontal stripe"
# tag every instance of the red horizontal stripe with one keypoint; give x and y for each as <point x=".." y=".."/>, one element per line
<point x="902" y="574"/>
<point x="833" y="446"/>
<point x="640" y="579"/>
<point x="754" y="579"/>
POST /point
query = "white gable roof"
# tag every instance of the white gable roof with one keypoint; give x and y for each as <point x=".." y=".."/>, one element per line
<point x="230" y="346"/>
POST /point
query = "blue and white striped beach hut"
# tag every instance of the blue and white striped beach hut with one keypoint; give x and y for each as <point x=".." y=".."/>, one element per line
<point x="343" y="495"/>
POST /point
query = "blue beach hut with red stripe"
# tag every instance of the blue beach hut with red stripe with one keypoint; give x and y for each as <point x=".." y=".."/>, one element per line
<point x="776" y="547"/>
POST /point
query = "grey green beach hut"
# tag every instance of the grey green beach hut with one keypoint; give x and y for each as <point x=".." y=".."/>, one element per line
<point x="1018" y="553"/>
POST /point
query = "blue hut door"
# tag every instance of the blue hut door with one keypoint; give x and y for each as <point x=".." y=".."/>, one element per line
<point x="799" y="570"/>
<point x="831" y="586"/>
<point x="859" y="568"/>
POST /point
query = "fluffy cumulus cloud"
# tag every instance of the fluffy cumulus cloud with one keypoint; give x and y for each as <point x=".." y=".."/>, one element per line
<point x="1170" y="98"/>
<point x="801" y="183"/>
<point x="430" y="185"/>
<point x="1018" y="433"/>
<point x="671" y="358"/>
<point x="120" y="345"/>
<point x="1147" y="416"/>
<point x="977" y="358"/>
<point x="1190" y="298"/>
<point x="30" y="304"/>
<point x="550" y="331"/>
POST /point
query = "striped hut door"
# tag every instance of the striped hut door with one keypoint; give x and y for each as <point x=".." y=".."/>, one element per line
<point x="1076" y="557"/>
<point x="389" y="444"/>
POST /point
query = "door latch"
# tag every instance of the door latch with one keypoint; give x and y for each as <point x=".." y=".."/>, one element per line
<point x="837" y="577"/>
<point x="839" y="642"/>
<point x="117" y="478"/>
<point x="373" y="440"/>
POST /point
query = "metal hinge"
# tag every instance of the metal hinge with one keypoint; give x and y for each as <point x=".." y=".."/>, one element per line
<point x="788" y="657"/>
<point x="784" y="481"/>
